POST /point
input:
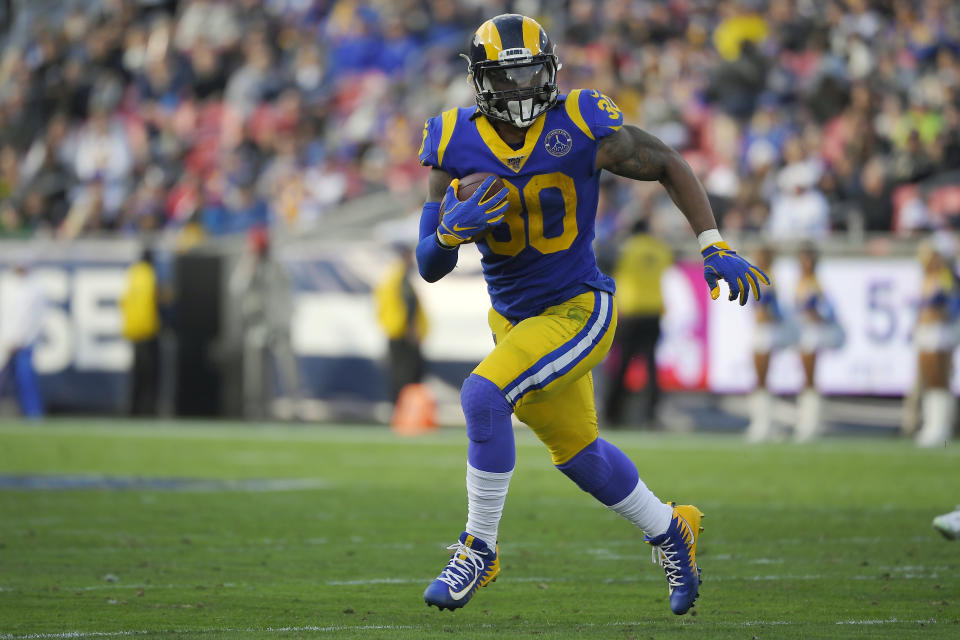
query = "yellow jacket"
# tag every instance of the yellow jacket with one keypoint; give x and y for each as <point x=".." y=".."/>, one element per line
<point x="639" y="269"/>
<point x="392" y="312"/>
<point x="138" y="306"/>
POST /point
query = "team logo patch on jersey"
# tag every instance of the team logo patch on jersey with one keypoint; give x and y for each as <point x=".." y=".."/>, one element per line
<point x="558" y="143"/>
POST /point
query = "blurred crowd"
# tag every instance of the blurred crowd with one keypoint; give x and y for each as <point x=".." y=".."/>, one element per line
<point x="802" y="117"/>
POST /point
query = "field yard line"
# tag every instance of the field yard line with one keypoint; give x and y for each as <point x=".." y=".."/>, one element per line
<point x="140" y="632"/>
<point x="653" y="576"/>
<point x="382" y="627"/>
<point x="887" y="621"/>
<point x="360" y="582"/>
<point x="380" y="434"/>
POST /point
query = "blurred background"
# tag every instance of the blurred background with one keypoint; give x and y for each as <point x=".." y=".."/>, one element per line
<point x="206" y="206"/>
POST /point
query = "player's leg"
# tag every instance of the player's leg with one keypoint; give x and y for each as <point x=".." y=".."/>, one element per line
<point x="491" y="454"/>
<point x="529" y="357"/>
<point x="937" y="402"/>
<point x="761" y="402"/>
<point x="562" y="412"/>
<point x="566" y="423"/>
<point x="809" y="403"/>
<point x="28" y="387"/>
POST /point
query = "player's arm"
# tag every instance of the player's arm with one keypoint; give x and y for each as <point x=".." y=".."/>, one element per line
<point x="633" y="153"/>
<point x="433" y="259"/>
<point x="454" y="222"/>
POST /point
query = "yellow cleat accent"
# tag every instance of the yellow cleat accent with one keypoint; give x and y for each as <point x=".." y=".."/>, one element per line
<point x="693" y="517"/>
<point x="494" y="570"/>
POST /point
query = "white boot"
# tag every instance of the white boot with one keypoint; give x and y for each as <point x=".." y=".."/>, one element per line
<point x="760" y="428"/>
<point x="937" y="427"/>
<point x="809" y="416"/>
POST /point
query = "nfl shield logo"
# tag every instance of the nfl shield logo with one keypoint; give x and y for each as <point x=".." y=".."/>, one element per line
<point x="514" y="162"/>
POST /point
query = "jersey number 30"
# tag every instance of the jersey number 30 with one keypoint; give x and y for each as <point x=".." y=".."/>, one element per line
<point x="529" y="200"/>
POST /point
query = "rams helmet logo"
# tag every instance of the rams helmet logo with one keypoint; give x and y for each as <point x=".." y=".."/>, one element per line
<point x="514" y="69"/>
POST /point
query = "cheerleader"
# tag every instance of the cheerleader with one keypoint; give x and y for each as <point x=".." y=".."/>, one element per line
<point x="819" y="330"/>
<point x="768" y="336"/>
<point x="934" y="339"/>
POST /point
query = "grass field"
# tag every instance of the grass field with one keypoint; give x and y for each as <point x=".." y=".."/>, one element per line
<point x="227" y="531"/>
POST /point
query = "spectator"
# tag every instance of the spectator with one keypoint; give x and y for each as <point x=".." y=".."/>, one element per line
<point x="876" y="206"/>
<point x="799" y="209"/>
<point x="110" y="90"/>
<point x="141" y="326"/>
<point x="103" y="162"/>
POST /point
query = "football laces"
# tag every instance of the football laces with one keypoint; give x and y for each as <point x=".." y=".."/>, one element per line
<point x="457" y="571"/>
<point x="669" y="559"/>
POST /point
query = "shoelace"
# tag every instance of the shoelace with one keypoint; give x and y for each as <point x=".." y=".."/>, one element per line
<point x="457" y="571"/>
<point x="666" y="557"/>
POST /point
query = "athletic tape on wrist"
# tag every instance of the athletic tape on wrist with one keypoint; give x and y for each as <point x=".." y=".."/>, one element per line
<point x="708" y="237"/>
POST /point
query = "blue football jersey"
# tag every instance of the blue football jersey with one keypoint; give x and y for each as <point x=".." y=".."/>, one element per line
<point x="542" y="252"/>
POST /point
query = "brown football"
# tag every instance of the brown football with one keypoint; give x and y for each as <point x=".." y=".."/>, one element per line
<point x="469" y="184"/>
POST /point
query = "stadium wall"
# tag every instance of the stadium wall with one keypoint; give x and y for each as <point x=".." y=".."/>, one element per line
<point x="83" y="360"/>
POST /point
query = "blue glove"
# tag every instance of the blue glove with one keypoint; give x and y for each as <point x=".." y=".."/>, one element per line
<point x="461" y="222"/>
<point x="720" y="262"/>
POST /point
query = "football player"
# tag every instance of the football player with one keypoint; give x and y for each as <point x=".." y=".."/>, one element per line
<point x="553" y="312"/>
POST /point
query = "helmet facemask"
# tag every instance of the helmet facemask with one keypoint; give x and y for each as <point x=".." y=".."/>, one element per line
<point x="518" y="88"/>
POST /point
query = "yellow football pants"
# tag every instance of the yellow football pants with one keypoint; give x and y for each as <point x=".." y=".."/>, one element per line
<point x="543" y="364"/>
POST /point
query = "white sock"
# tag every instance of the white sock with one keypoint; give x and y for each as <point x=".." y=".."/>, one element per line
<point x="645" y="510"/>
<point x="486" y="494"/>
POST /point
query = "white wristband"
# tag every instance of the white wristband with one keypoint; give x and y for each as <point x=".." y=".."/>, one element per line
<point x="708" y="237"/>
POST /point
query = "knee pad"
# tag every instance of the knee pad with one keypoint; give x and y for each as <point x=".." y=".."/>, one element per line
<point x="588" y="468"/>
<point x="484" y="406"/>
<point x="603" y="471"/>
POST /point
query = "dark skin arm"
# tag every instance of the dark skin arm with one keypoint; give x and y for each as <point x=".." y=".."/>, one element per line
<point x="634" y="153"/>
<point x="437" y="184"/>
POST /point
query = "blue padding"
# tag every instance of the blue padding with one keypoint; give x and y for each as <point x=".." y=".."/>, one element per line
<point x="487" y="411"/>
<point x="433" y="261"/>
<point x="603" y="471"/>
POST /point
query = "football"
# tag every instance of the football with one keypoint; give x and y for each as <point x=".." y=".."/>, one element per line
<point x="469" y="184"/>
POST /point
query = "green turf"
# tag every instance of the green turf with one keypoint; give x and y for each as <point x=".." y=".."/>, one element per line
<point x="799" y="540"/>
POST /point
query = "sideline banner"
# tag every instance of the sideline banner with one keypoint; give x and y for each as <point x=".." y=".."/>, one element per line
<point x="83" y="360"/>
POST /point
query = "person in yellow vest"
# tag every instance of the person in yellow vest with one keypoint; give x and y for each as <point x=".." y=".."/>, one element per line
<point x="638" y="272"/>
<point x="404" y="322"/>
<point x="141" y="326"/>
